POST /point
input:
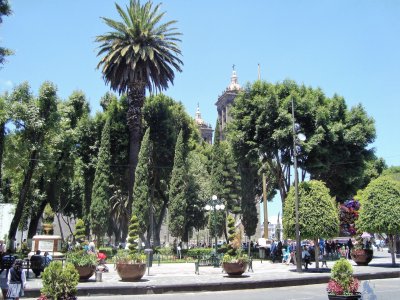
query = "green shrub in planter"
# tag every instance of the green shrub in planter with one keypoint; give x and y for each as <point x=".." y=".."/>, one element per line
<point x="81" y="258"/>
<point x="59" y="283"/>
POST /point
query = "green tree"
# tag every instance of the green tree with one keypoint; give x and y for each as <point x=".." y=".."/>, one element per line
<point x="143" y="205"/>
<point x="380" y="209"/>
<point x="337" y="138"/>
<point x="37" y="117"/>
<point x="318" y="214"/>
<point x="5" y="10"/>
<point x="166" y="118"/>
<point x="100" y="206"/>
<point x="139" y="54"/>
<point x="248" y="197"/>
<point x="178" y="191"/>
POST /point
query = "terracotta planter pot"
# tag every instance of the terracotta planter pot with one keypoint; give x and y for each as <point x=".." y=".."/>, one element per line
<point x="362" y="257"/>
<point x="131" y="272"/>
<point x="343" y="297"/>
<point x="234" y="269"/>
<point x="85" y="272"/>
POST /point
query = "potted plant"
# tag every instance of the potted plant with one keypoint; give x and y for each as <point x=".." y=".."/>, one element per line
<point x="235" y="261"/>
<point x="48" y="219"/>
<point x="342" y="284"/>
<point x="360" y="254"/>
<point x="131" y="265"/>
<point x="59" y="282"/>
<point x="84" y="262"/>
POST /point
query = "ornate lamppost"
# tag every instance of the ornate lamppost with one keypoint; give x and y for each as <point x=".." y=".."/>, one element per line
<point x="214" y="205"/>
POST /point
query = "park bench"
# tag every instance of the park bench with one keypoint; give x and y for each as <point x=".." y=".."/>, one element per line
<point x="203" y="261"/>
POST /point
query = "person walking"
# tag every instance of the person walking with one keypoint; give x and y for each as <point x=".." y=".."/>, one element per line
<point x="16" y="281"/>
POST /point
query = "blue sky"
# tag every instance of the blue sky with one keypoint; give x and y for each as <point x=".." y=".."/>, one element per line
<point x="347" y="47"/>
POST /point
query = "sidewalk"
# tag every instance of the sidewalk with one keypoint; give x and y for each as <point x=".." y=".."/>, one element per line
<point x="181" y="277"/>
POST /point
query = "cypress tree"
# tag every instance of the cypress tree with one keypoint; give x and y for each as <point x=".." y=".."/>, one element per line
<point x="141" y="190"/>
<point x="100" y="208"/>
<point x="178" y="190"/>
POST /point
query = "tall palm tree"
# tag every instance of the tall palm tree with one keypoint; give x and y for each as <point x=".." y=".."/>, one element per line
<point x="141" y="53"/>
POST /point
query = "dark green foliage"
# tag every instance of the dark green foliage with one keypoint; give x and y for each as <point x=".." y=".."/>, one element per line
<point x="139" y="53"/>
<point x="60" y="282"/>
<point x="79" y="230"/>
<point x="5" y="10"/>
<point x="142" y="189"/>
<point x="318" y="215"/>
<point x="248" y="197"/>
<point x="225" y="177"/>
<point x="139" y="49"/>
<point x="337" y="142"/>
<point x="133" y="235"/>
<point x="178" y="190"/>
<point x="100" y="206"/>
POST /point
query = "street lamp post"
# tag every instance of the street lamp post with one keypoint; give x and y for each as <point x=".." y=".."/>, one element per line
<point x="214" y="205"/>
<point x="296" y="188"/>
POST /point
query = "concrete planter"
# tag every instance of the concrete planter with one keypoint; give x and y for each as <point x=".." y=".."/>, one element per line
<point x="362" y="257"/>
<point x="234" y="269"/>
<point x="345" y="297"/>
<point x="85" y="272"/>
<point x="131" y="272"/>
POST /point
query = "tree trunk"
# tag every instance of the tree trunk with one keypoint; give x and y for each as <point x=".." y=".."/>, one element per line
<point x="316" y="247"/>
<point x="22" y="196"/>
<point x="89" y="178"/>
<point x="136" y="97"/>
<point x="2" y="133"/>
<point x="33" y="225"/>
<point x="392" y="248"/>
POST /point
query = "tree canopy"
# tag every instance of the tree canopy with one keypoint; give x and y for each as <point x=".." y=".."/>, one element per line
<point x="336" y="148"/>
<point x="380" y="208"/>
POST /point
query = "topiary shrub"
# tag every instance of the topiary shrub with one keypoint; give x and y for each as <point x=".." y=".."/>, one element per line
<point x="59" y="283"/>
<point x="79" y="233"/>
<point x="133" y="235"/>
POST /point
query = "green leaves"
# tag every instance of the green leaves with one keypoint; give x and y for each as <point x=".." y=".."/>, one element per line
<point x="380" y="206"/>
<point x="129" y="51"/>
<point x="318" y="215"/>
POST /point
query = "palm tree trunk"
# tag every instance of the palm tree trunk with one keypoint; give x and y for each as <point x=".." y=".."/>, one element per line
<point x="136" y="97"/>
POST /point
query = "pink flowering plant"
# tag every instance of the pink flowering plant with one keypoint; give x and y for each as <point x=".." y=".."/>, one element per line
<point x="342" y="281"/>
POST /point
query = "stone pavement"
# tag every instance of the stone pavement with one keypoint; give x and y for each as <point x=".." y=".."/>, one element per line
<point x="181" y="277"/>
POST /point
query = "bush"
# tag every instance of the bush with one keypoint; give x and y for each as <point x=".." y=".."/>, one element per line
<point x="199" y="252"/>
<point x="125" y="257"/>
<point x="81" y="258"/>
<point x="164" y="251"/>
<point x="109" y="251"/>
<point x="342" y="281"/>
<point x="60" y="282"/>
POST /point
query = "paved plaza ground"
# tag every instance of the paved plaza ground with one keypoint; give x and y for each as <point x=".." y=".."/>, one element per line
<point x="181" y="277"/>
